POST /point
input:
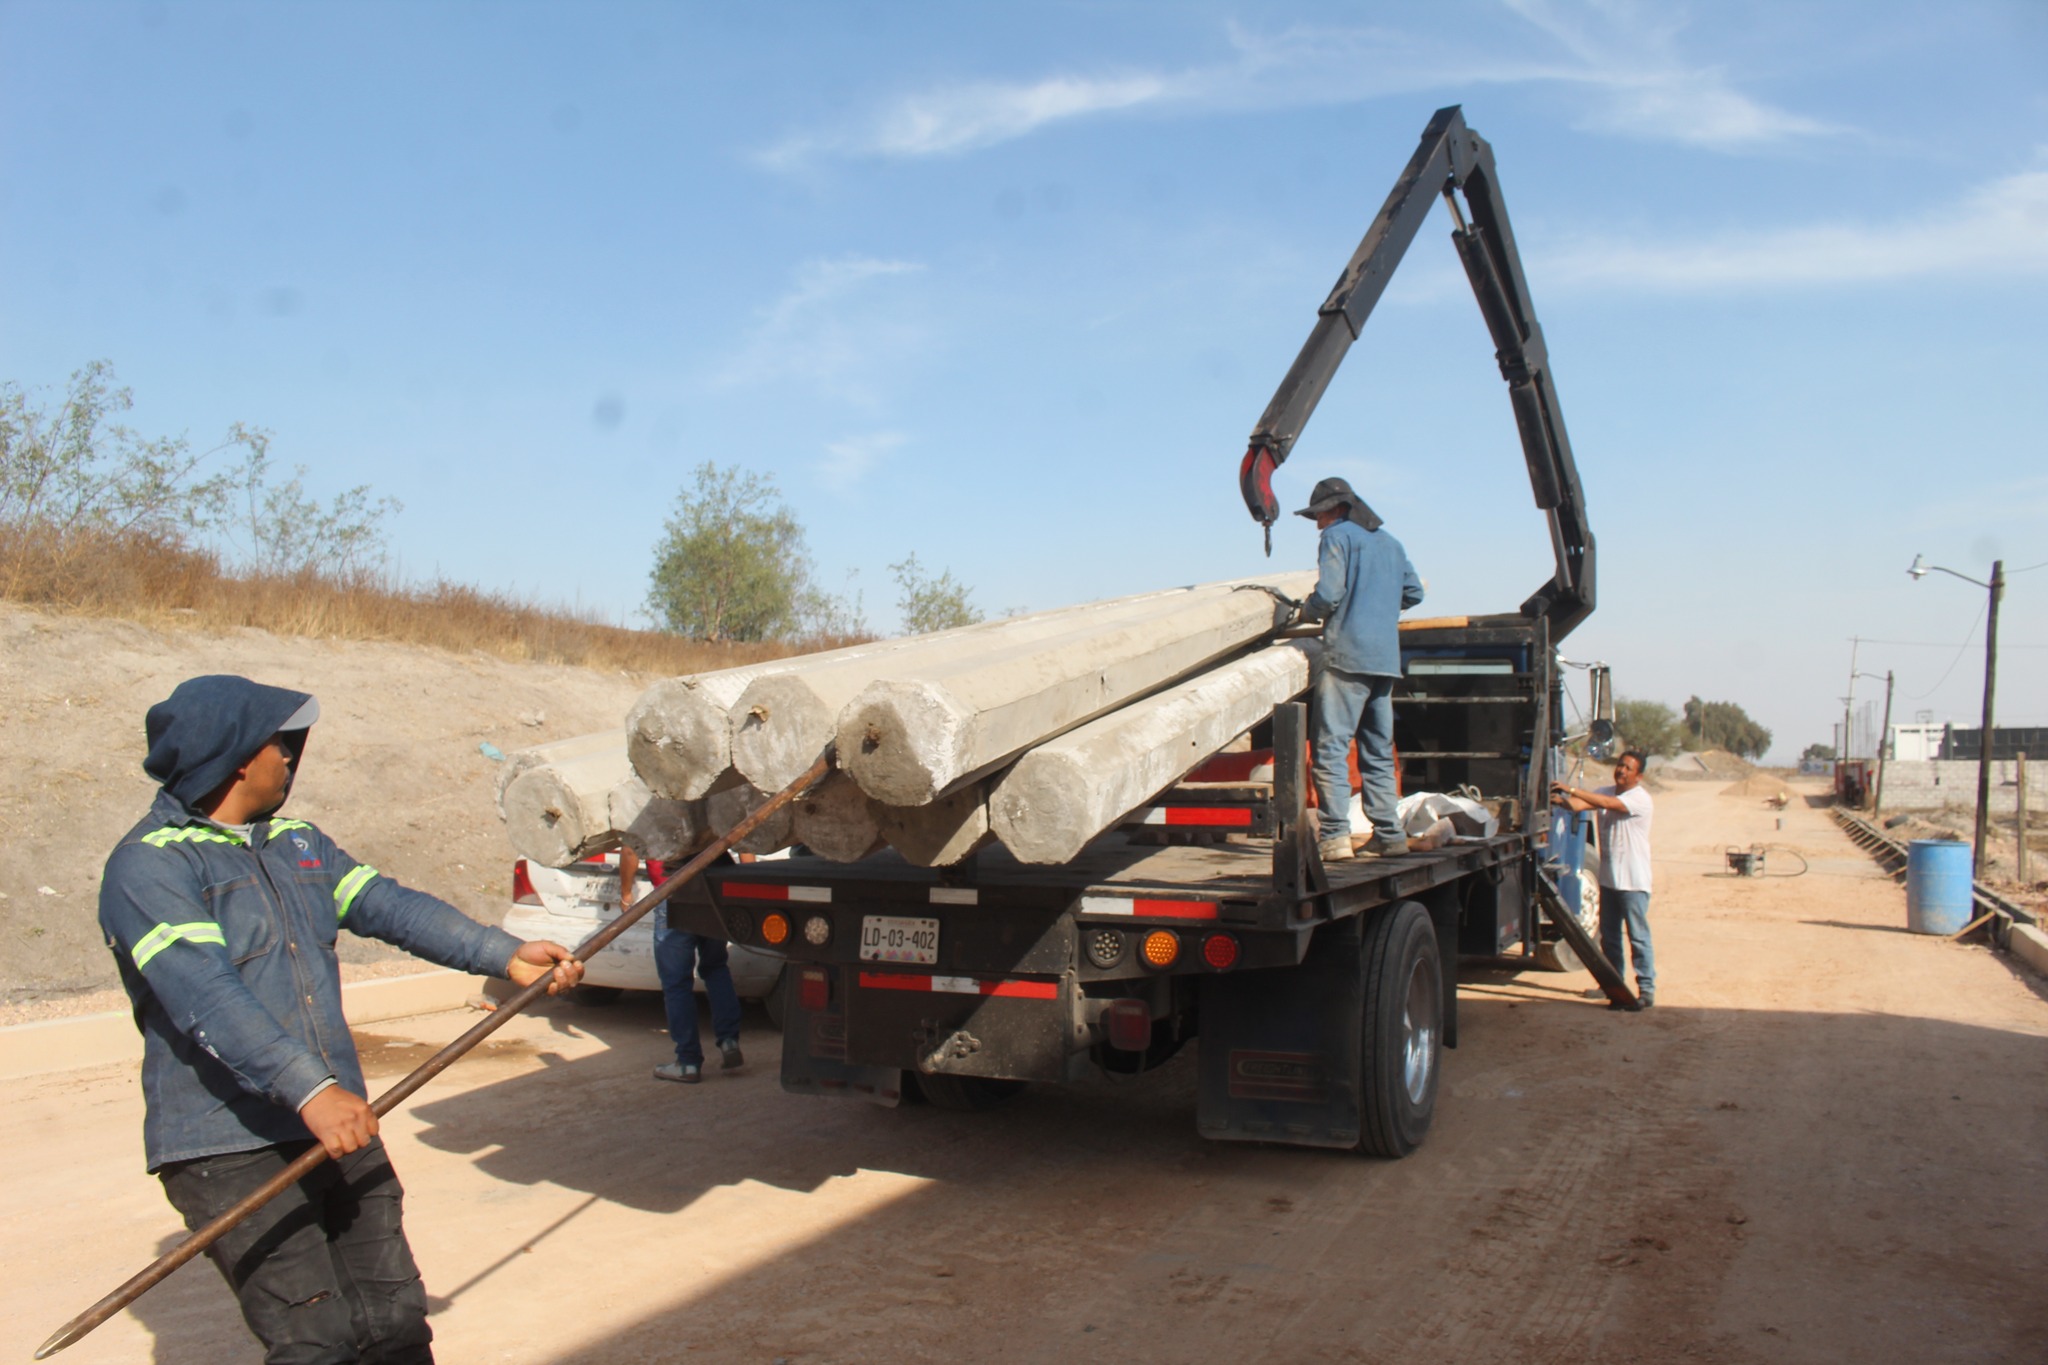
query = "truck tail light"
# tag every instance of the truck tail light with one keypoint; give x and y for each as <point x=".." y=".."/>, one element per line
<point x="775" y="929"/>
<point x="814" y="989"/>
<point x="1220" y="951"/>
<point x="522" y="885"/>
<point x="1162" y="948"/>
<point x="1129" y="1024"/>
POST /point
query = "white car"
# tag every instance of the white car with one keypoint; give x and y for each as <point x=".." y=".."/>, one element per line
<point x="569" y="904"/>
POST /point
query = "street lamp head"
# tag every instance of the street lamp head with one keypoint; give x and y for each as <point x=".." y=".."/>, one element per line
<point x="1918" y="569"/>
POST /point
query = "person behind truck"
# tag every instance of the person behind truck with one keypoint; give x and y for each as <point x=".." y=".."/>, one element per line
<point x="1623" y="812"/>
<point x="222" y="919"/>
<point x="1365" y="583"/>
<point x="677" y="955"/>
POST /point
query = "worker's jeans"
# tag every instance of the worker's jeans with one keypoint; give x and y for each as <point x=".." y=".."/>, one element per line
<point x="1633" y="909"/>
<point x="1348" y="706"/>
<point x="323" y="1271"/>
<point x="677" y="953"/>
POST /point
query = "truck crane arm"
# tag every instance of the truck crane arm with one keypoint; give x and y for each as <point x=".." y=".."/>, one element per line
<point x="1452" y="161"/>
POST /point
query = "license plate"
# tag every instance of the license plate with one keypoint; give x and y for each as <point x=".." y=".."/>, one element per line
<point x="899" y="938"/>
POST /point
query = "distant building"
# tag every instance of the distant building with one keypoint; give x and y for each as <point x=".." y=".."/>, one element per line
<point x="2007" y="742"/>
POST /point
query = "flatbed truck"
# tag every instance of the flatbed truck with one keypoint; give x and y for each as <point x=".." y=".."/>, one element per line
<point x="1321" y="994"/>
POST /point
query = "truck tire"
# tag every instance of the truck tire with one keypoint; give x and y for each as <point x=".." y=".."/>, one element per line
<point x="966" y="1094"/>
<point x="1401" y="1053"/>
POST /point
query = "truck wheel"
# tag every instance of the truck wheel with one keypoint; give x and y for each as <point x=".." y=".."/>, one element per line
<point x="966" y="1094"/>
<point x="1401" y="1052"/>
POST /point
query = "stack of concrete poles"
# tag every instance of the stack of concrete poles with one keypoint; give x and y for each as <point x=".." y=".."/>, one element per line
<point x="680" y="734"/>
<point x="578" y="797"/>
<point x="929" y="728"/>
<point x="1063" y="793"/>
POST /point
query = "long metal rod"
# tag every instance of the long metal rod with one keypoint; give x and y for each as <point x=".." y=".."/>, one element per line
<point x="1997" y="587"/>
<point x="199" y="1241"/>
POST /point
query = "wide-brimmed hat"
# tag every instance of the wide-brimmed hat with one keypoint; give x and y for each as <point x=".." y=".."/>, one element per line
<point x="1329" y="493"/>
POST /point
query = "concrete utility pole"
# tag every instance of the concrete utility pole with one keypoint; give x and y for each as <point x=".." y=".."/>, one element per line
<point x="1884" y="738"/>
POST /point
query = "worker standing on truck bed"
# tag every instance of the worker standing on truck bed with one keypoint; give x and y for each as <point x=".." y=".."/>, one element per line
<point x="222" y="920"/>
<point x="1366" y="582"/>
<point x="1623" y="812"/>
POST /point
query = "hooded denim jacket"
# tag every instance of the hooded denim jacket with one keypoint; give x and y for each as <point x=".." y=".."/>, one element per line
<point x="226" y="948"/>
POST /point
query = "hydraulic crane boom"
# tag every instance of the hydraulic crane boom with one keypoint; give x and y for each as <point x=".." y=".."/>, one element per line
<point x="1452" y="160"/>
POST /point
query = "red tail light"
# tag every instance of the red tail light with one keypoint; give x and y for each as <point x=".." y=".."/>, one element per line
<point x="1129" y="1023"/>
<point x="814" y="989"/>
<point x="522" y="885"/>
<point x="1220" y="951"/>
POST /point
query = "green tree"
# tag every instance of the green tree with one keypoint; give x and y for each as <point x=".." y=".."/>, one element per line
<point x="1823" y="752"/>
<point x="289" y="533"/>
<point x="78" y="470"/>
<point x="1648" y="725"/>
<point x="928" y="603"/>
<point x="1724" y="725"/>
<point x="731" y="565"/>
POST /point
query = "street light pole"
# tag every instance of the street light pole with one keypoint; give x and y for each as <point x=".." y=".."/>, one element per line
<point x="1997" y="586"/>
<point x="1919" y="569"/>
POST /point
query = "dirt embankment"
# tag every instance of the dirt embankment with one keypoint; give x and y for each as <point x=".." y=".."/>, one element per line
<point x="393" y="772"/>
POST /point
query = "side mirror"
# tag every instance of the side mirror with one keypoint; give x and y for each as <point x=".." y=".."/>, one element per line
<point x="1600" y="740"/>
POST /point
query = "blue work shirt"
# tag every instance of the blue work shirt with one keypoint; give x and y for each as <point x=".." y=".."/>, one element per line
<point x="1365" y="583"/>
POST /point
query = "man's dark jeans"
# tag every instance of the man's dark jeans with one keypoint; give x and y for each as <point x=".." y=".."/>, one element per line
<point x="323" y="1271"/>
<point x="678" y="953"/>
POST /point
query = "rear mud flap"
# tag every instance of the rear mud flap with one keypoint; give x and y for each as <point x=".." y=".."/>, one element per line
<point x="1280" y="1048"/>
<point x="814" y="1061"/>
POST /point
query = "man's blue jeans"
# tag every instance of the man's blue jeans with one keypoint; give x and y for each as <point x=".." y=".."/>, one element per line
<point x="677" y="954"/>
<point x="1348" y="706"/>
<point x="1633" y="909"/>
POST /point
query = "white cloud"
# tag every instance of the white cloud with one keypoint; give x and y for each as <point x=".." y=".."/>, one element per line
<point x="1628" y="68"/>
<point x="2001" y="227"/>
<point x="807" y="334"/>
<point x="847" y="462"/>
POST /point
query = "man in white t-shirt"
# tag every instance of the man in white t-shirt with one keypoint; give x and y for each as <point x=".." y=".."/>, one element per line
<point x="1623" y="812"/>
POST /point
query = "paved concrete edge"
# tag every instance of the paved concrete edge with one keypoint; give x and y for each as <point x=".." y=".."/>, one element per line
<point x="2030" y="946"/>
<point x="106" y="1039"/>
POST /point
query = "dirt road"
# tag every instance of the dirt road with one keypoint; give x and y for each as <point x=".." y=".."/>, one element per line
<point x="1828" y="1142"/>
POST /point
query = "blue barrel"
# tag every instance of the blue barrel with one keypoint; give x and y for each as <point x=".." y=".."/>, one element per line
<point x="1938" y="886"/>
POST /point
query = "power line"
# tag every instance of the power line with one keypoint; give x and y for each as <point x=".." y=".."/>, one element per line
<point x="1967" y="639"/>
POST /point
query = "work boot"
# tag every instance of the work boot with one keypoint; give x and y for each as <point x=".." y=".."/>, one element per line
<point x="1337" y="850"/>
<point x="729" y="1058"/>
<point x="1385" y="845"/>
<point x="677" y="1071"/>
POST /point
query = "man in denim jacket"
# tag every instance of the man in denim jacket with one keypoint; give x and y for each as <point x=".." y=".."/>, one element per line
<point x="222" y="919"/>
<point x="1364" y="584"/>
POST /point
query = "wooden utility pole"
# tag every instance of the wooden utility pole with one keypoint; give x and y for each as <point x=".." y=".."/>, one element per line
<point x="2020" y="820"/>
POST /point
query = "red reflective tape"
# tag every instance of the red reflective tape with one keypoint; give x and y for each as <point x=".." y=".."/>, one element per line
<point x="1235" y="816"/>
<point x="755" y="891"/>
<point x="1175" y="909"/>
<point x="895" y="981"/>
<point x="957" y="985"/>
<point x="1023" y="990"/>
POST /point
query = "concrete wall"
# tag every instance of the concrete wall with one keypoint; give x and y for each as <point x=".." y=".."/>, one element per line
<point x="1935" y="783"/>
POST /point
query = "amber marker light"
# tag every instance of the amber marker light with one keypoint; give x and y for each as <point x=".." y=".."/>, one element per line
<point x="775" y="929"/>
<point x="1220" y="951"/>
<point x="1162" y="948"/>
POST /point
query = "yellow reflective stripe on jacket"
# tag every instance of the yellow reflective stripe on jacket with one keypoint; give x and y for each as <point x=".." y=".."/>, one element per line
<point x="348" y="888"/>
<point x="278" y="827"/>
<point x="199" y="834"/>
<point x="164" y="935"/>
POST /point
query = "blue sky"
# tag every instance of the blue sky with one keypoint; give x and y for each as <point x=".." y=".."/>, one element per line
<point x="1007" y="286"/>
